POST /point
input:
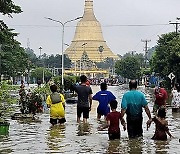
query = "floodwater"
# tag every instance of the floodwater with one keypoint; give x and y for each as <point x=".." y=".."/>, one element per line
<point x="39" y="137"/>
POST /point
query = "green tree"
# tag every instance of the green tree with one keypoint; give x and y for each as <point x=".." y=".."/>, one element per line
<point x="7" y="7"/>
<point x="54" y="61"/>
<point x="38" y="73"/>
<point x="108" y="63"/>
<point x="128" y="67"/>
<point x="14" y="59"/>
<point x="31" y="56"/>
<point x="166" y="58"/>
<point x="68" y="81"/>
<point x="6" y="100"/>
<point x="140" y="57"/>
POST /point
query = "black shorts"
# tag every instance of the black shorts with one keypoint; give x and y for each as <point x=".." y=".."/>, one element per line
<point x="113" y="136"/>
<point x="84" y="110"/>
<point x="57" y="121"/>
<point x="134" y="126"/>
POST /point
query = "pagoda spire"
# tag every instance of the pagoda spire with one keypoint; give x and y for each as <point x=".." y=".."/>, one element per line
<point x="88" y="11"/>
<point x="89" y="32"/>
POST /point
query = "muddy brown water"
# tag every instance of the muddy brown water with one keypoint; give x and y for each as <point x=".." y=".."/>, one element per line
<point x="39" y="137"/>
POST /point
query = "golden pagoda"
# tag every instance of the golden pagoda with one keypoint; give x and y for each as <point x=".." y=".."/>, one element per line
<point x="89" y="39"/>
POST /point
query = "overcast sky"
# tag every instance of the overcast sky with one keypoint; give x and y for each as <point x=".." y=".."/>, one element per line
<point x="114" y="16"/>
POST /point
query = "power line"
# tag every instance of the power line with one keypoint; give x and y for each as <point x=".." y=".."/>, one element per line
<point x="133" y="25"/>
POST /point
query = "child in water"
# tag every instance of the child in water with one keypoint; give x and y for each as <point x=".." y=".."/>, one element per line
<point x="113" y="119"/>
<point x="103" y="97"/>
<point x="161" y="125"/>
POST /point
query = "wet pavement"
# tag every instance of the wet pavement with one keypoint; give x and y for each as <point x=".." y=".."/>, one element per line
<point x="39" y="137"/>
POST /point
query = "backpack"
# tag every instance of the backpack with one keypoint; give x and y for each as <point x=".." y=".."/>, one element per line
<point x="55" y="98"/>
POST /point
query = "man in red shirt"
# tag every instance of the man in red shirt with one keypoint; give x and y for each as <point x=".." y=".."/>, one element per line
<point x="161" y="97"/>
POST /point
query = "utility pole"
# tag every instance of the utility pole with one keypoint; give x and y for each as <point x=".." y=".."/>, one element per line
<point x="146" y="50"/>
<point x="176" y="24"/>
<point x="28" y="43"/>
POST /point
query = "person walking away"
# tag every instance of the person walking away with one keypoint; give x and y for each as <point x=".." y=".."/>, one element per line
<point x="175" y="94"/>
<point x="132" y="104"/>
<point x="113" y="118"/>
<point x="84" y="102"/>
<point x="161" y="97"/>
<point x="161" y="124"/>
<point x="56" y="103"/>
<point x="23" y="99"/>
<point x="103" y="97"/>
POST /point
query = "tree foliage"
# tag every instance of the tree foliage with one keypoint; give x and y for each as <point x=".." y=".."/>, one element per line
<point x="128" y="67"/>
<point x="166" y="58"/>
<point x="106" y="64"/>
<point x="14" y="59"/>
<point x="12" y="55"/>
<point x="6" y="100"/>
<point x="53" y="61"/>
<point x="8" y="7"/>
<point x="31" y="56"/>
<point x="68" y="81"/>
<point x="140" y="57"/>
<point x="38" y="73"/>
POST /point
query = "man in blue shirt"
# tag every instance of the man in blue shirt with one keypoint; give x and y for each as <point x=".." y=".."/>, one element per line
<point x="132" y="104"/>
<point x="103" y="97"/>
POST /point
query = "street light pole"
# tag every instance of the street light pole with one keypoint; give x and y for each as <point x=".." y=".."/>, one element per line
<point x="62" y="76"/>
<point x="40" y="49"/>
<point x="63" y="27"/>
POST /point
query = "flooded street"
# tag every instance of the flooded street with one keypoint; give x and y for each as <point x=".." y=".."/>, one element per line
<point x="39" y="137"/>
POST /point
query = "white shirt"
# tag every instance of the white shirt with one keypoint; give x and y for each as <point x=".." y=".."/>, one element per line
<point x="175" y="99"/>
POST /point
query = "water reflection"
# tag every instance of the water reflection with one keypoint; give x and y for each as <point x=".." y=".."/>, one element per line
<point x="6" y="150"/>
<point x="38" y="137"/>
<point x="3" y="147"/>
<point x="135" y="145"/>
<point x="124" y="145"/>
<point x="175" y="115"/>
<point x="114" y="146"/>
<point x="161" y="146"/>
<point x="56" y="134"/>
<point x="84" y="129"/>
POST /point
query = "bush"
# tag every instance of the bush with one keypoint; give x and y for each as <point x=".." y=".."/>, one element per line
<point x="5" y="100"/>
<point x="68" y="82"/>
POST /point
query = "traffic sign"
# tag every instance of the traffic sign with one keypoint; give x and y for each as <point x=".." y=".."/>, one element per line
<point x="171" y="76"/>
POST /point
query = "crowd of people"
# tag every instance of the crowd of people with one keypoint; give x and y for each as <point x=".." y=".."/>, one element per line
<point x="109" y="81"/>
<point x="133" y="103"/>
